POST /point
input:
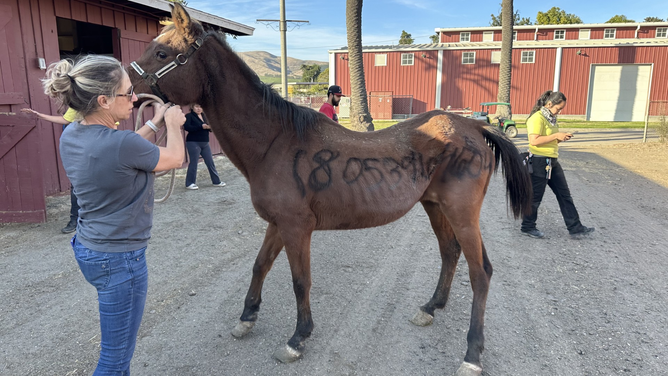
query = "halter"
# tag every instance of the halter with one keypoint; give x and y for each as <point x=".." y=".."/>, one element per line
<point x="152" y="78"/>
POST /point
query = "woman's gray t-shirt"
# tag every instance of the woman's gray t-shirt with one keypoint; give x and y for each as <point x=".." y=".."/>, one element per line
<point x="112" y="175"/>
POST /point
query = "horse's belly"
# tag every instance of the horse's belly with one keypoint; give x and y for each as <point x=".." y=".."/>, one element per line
<point x="348" y="208"/>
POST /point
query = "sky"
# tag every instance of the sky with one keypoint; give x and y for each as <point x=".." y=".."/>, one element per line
<point x="384" y="20"/>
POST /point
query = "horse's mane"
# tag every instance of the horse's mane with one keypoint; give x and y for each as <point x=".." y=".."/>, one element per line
<point x="293" y="118"/>
<point x="302" y="119"/>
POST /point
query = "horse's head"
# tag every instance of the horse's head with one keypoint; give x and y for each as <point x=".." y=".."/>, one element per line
<point x="169" y="67"/>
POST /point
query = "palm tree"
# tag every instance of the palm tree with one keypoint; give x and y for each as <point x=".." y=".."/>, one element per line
<point x="505" y="67"/>
<point x="360" y="118"/>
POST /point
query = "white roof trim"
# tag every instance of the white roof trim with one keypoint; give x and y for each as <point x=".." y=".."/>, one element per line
<point x="523" y="44"/>
<point x="565" y="26"/>
<point x="208" y="18"/>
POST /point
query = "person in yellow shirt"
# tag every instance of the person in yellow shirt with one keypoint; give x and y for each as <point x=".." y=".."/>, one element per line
<point x="544" y="139"/>
<point x="69" y="116"/>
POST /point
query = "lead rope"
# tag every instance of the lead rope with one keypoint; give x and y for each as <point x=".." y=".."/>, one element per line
<point x="161" y="136"/>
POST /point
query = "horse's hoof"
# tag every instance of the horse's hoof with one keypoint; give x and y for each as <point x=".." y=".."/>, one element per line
<point x="469" y="369"/>
<point x="422" y="318"/>
<point x="242" y="328"/>
<point x="287" y="354"/>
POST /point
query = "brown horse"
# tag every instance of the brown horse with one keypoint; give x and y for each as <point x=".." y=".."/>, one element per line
<point x="308" y="173"/>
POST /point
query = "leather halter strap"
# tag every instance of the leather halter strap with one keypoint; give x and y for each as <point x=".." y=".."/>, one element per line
<point x="152" y="78"/>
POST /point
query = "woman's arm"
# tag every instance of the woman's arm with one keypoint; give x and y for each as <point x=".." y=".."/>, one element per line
<point x="158" y="120"/>
<point x="536" y="125"/>
<point x="172" y="155"/>
<point x="58" y="119"/>
<point x="537" y="140"/>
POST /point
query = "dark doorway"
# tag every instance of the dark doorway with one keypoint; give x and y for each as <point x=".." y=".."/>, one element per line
<point x="82" y="38"/>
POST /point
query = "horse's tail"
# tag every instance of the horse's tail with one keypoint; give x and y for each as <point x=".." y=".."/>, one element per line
<point x="518" y="181"/>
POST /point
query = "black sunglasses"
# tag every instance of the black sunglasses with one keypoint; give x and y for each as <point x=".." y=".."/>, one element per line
<point x="129" y="94"/>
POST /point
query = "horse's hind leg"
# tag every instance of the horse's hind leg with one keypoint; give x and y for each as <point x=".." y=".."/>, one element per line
<point x="450" y="252"/>
<point x="465" y="223"/>
<point x="270" y="249"/>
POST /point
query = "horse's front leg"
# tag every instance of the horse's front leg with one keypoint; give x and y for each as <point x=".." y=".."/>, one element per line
<point x="298" y="249"/>
<point x="270" y="249"/>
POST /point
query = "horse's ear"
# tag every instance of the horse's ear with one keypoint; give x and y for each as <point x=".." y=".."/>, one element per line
<point x="181" y="19"/>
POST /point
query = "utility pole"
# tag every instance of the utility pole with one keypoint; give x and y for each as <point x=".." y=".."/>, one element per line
<point x="282" y="27"/>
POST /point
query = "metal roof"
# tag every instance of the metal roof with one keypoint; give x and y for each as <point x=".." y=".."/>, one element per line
<point x="516" y="44"/>
<point x="164" y="10"/>
<point x="564" y="26"/>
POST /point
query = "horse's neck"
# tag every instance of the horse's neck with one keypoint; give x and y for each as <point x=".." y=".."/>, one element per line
<point x="237" y="112"/>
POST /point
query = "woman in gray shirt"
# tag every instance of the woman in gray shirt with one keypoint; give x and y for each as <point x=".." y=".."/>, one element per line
<point x="112" y="172"/>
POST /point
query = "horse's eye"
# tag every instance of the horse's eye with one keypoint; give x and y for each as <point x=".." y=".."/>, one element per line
<point x="161" y="55"/>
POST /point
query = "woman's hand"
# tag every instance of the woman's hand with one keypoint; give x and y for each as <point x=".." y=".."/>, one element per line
<point x="174" y="117"/>
<point x="30" y="111"/>
<point x="159" y="113"/>
<point x="171" y="156"/>
<point x="562" y="136"/>
<point x="205" y="126"/>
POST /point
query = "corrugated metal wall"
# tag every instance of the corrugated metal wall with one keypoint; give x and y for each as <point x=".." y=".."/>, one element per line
<point x="418" y="80"/>
<point x="468" y="85"/>
<point x="465" y="85"/>
<point x="576" y="70"/>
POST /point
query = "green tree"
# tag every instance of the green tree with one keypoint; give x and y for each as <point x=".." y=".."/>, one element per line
<point x="360" y="117"/>
<point x="182" y="2"/>
<point x="619" y="18"/>
<point x="310" y="72"/>
<point x="435" y="38"/>
<point x="653" y="19"/>
<point x="406" y="38"/>
<point x="497" y="20"/>
<point x="324" y="75"/>
<point x="505" y="66"/>
<point x="524" y="21"/>
<point x="556" y="16"/>
<point x="321" y="89"/>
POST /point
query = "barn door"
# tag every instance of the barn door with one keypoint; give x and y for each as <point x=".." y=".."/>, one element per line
<point x="21" y="186"/>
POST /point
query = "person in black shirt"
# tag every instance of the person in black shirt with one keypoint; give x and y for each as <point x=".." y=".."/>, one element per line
<point x="197" y="143"/>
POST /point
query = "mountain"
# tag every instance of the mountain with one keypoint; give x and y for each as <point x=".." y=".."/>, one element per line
<point x="266" y="64"/>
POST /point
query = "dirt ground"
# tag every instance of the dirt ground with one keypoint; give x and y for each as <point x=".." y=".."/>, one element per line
<point x="556" y="306"/>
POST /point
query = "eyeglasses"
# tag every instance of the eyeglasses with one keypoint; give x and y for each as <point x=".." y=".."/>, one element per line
<point x="129" y="94"/>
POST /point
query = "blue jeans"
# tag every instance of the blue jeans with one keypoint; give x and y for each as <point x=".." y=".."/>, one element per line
<point x="121" y="280"/>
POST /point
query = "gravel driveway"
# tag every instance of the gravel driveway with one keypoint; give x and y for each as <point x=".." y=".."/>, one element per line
<point x="556" y="306"/>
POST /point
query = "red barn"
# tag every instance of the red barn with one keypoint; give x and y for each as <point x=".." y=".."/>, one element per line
<point x="35" y="33"/>
<point x="607" y="71"/>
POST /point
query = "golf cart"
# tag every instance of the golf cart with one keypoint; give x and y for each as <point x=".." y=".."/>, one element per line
<point x="506" y="125"/>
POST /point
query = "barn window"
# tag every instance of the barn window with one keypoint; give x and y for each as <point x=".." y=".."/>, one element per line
<point x="662" y="32"/>
<point x="381" y="60"/>
<point x="407" y="59"/>
<point x="609" y="34"/>
<point x="528" y="57"/>
<point x="496" y="57"/>
<point x="584" y="33"/>
<point x="468" y="58"/>
<point x="514" y="35"/>
<point x="76" y="38"/>
<point x="559" y="34"/>
<point x="465" y="37"/>
<point x="487" y="36"/>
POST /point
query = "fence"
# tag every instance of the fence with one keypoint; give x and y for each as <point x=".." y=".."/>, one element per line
<point x="313" y="101"/>
<point x="657" y="111"/>
<point x="399" y="106"/>
<point x="402" y="106"/>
